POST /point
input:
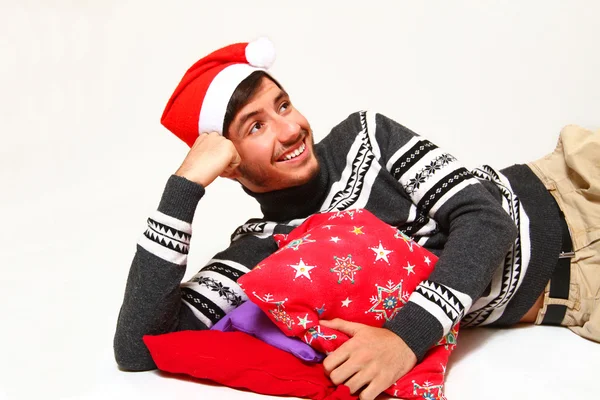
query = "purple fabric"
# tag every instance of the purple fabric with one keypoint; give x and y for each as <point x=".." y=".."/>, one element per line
<point x="250" y="319"/>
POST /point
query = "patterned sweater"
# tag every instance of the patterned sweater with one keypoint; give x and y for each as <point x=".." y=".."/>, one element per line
<point x="496" y="233"/>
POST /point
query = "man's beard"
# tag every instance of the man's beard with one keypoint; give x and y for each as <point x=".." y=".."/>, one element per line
<point x="257" y="176"/>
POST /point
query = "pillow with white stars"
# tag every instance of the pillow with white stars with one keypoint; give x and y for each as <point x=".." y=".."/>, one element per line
<point x="346" y="264"/>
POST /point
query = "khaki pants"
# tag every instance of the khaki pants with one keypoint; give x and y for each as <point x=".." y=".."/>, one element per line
<point x="572" y="175"/>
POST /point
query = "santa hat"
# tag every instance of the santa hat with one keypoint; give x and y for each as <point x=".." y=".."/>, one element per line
<point x="200" y="100"/>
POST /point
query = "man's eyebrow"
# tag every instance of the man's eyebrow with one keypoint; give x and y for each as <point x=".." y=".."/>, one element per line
<point x="246" y="117"/>
<point x="282" y="94"/>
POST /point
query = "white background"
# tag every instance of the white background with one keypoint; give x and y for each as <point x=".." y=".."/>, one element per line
<point x="84" y="159"/>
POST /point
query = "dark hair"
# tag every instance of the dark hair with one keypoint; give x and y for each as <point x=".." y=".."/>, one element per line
<point x="242" y="95"/>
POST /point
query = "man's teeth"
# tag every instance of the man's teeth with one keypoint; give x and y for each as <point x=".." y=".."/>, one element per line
<point x="296" y="153"/>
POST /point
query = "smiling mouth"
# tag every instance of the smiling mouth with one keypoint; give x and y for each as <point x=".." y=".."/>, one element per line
<point x="293" y="154"/>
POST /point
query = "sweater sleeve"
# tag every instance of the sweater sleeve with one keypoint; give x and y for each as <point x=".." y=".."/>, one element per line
<point x="155" y="300"/>
<point x="479" y="233"/>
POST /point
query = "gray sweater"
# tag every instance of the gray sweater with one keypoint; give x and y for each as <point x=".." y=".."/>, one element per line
<point x="496" y="233"/>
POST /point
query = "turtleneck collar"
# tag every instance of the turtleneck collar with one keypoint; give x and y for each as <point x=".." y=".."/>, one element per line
<point x="295" y="202"/>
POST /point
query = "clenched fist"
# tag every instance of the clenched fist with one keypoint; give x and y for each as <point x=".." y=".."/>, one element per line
<point x="211" y="156"/>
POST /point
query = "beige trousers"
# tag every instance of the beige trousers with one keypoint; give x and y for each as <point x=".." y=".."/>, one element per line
<point x="572" y="175"/>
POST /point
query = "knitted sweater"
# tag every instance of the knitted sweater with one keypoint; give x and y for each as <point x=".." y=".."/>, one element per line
<point x="496" y="233"/>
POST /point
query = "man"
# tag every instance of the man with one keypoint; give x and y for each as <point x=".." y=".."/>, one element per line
<point x="504" y="248"/>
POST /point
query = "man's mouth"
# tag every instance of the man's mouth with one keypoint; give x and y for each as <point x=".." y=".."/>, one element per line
<point x="293" y="154"/>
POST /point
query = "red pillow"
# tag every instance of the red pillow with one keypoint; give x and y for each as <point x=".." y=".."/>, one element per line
<point x="349" y="265"/>
<point x="238" y="360"/>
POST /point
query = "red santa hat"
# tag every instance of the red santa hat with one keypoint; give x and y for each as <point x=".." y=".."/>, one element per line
<point x="200" y="100"/>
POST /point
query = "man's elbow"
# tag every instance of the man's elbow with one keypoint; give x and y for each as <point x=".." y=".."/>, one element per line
<point x="132" y="356"/>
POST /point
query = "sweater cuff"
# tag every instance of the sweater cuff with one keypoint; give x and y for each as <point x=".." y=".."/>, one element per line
<point x="180" y="198"/>
<point x="419" y="329"/>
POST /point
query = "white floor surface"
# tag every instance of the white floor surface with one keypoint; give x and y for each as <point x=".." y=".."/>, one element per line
<point x="83" y="158"/>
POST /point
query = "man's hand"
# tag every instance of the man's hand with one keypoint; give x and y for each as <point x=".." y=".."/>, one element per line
<point x="373" y="358"/>
<point x="211" y="155"/>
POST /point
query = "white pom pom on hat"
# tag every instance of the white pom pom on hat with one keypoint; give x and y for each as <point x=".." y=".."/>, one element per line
<point x="199" y="102"/>
<point x="260" y="53"/>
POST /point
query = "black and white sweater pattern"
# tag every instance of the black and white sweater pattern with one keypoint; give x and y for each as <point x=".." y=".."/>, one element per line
<point x="367" y="161"/>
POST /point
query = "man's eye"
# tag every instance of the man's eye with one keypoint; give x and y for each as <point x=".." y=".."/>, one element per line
<point x="284" y="106"/>
<point x="255" y="127"/>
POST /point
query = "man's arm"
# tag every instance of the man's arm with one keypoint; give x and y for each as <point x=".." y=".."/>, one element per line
<point x="479" y="233"/>
<point x="152" y="301"/>
<point x="156" y="301"/>
<point x="153" y="298"/>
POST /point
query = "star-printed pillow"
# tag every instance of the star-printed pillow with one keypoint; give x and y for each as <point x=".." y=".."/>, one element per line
<point x="353" y="266"/>
<point x="346" y="264"/>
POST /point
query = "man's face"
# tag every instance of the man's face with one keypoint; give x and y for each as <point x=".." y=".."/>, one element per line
<point x="274" y="141"/>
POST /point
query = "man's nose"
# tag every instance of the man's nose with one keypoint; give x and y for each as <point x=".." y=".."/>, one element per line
<point x="288" y="130"/>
